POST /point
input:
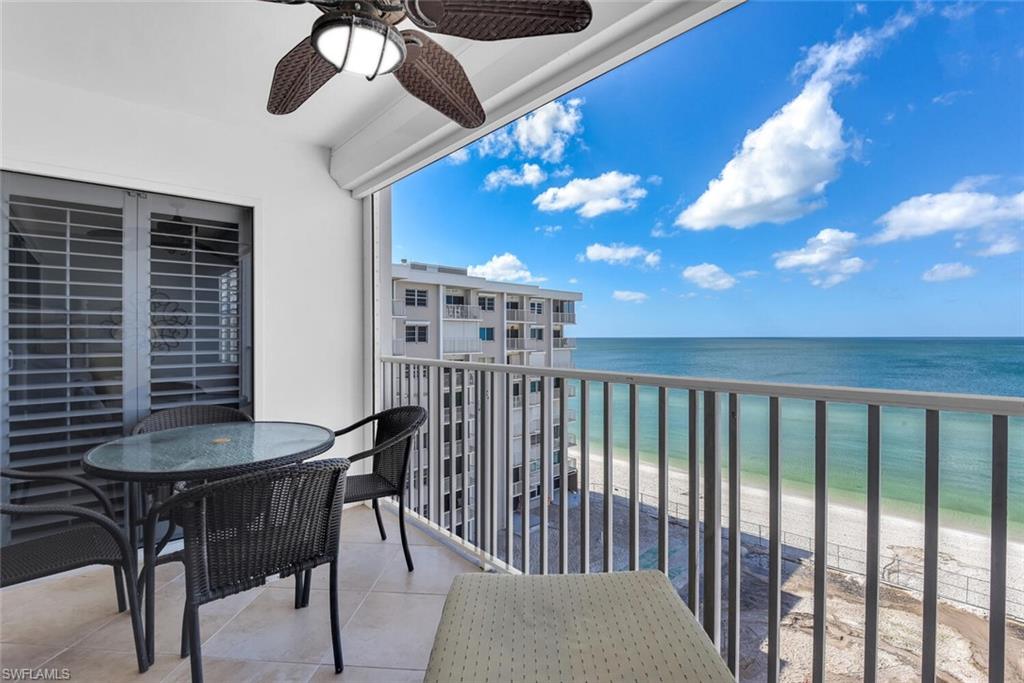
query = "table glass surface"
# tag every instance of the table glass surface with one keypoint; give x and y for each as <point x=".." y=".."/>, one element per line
<point x="208" y="447"/>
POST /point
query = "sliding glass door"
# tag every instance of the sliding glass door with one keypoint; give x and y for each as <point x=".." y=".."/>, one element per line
<point x="117" y="303"/>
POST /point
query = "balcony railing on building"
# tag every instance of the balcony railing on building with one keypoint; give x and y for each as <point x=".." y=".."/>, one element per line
<point x="462" y="345"/>
<point x="564" y="318"/>
<point x="397" y="347"/>
<point x="461" y="312"/>
<point x="564" y="343"/>
<point x="535" y="538"/>
<point x="515" y="343"/>
<point x="398" y="308"/>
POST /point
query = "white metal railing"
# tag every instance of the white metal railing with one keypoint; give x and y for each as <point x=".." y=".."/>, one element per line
<point x="462" y="345"/>
<point x="713" y="426"/>
<point x="516" y="315"/>
<point x="515" y="343"/>
<point x="564" y="343"/>
<point x="535" y="344"/>
<point x="461" y="312"/>
<point x="564" y="318"/>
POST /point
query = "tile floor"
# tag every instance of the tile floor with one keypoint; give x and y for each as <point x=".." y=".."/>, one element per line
<point x="389" y="618"/>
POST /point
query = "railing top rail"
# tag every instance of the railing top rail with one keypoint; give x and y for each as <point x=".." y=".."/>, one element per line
<point x="968" y="403"/>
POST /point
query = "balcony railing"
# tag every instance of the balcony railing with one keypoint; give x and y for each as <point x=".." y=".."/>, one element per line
<point x="461" y="312"/>
<point x="564" y="318"/>
<point x="564" y="343"/>
<point x="462" y="345"/>
<point x="397" y="347"/>
<point x="523" y="315"/>
<point x="536" y="540"/>
<point x="398" y="308"/>
<point x="515" y="343"/>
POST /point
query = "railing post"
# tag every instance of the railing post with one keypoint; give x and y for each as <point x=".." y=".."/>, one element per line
<point x="693" y="525"/>
<point x="524" y="470"/>
<point x="874" y="518"/>
<point x="774" y="540"/>
<point x="735" y="536"/>
<point x="435" y="467"/>
<point x="712" y="521"/>
<point x="480" y="468"/>
<point x="820" y="536"/>
<point x="510" y="522"/>
<point x="563" y="479"/>
<point x="634" y="480"/>
<point x="663" y="552"/>
<point x="997" y="577"/>
<point x="584" y="477"/>
<point x="609" y="494"/>
<point x="931" y="546"/>
<point x="546" y="430"/>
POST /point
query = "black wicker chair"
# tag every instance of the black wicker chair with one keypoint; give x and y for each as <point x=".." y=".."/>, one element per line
<point x="99" y="540"/>
<point x="392" y="445"/>
<point x="188" y="416"/>
<point x="241" y="530"/>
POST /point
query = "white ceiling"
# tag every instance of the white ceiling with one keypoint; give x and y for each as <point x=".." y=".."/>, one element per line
<point x="214" y="59"/>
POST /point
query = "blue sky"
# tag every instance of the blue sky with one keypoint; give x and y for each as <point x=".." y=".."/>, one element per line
<point x="787" y="169"/>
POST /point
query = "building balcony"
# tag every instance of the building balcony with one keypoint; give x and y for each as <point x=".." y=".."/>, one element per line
<point x="462" y="345"/>
<point x="515" y="343"/>
<point x="564" y="318"/>
<point x="398" y="347"/>
<point x="398" y="308"/>
<point x="461" y="312"/>
<point x="563" y="343"/>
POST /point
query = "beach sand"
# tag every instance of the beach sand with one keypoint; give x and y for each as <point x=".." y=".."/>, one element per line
<point x="962" y="632"/>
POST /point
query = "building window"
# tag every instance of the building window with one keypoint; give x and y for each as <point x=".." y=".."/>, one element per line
<point x="487" y="333"/>
<point x="416" y="334"/>
<point x="512" y="305"/>
<point x="537" y="307"/>
<point x="454" y="299"/>
<point x="486" y="303"/>
<point x="537" y="333"/>
<point x="416" y="297"/>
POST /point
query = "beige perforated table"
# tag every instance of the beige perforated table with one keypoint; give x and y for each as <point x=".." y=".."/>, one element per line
<point x="623" y="626"/>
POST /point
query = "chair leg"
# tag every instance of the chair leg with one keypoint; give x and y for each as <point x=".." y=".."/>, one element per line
<point x="137" y="631"/>
<point x="339" y="662"/>
<point x="401" y="529"/>
<point x="380" y="522"/>
<point x="119" y="588"/>
<point x="150" y="592"/>
<point x="185" y="631"/>
<point x="299" y="576"/>
<point x="307" y="583"/>
<point x="196" y="656"/>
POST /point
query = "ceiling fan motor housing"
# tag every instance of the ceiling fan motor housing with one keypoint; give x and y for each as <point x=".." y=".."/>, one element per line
<point x="355" y="37"/>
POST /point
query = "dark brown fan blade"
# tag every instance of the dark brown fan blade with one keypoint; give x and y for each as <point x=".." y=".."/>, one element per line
<point x="499" y="19"/>
<point x="430" y="73"/>
<point x="298" y="75"/>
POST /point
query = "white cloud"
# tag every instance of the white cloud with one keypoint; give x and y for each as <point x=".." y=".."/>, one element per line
<point x="950" y="97"/>
<point x="749" y="273"/>
<point x="973" y="182"/>
<point x="573" y="281"/>
<point x="458" y="157"/>
<point x="654" y="180"/>
<point x="941" y="272"/>
<point x="504" y="268"/>
<point x="825" y="258"/>
<point x="620" y="254"/>
<point x="530" y="174"/>
<point x="542" y="134"/>
<point x="958" y="10"/>
<point x="1001" y="245"/>
<point x="928" y="214"/>
<point x="709" y="276"/>
<point x="860" y="8"/>
<point x="628" y="296"/>
<point x="592" y="197"/>
<point x="548" y="230"/>
<point x="782" y="168"/>
<point x="563" y="172"/>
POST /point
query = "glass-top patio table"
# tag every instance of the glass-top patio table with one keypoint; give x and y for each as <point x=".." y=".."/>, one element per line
<point x="196" y="454"/>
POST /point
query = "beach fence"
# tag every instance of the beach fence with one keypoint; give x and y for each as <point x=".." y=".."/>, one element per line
<point x="896" y="571"/>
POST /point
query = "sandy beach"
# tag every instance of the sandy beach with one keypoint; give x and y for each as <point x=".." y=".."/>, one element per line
<point x="963" y="557"/>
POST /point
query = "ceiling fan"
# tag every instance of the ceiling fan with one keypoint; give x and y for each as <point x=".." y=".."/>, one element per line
<point x="360" y="36"/>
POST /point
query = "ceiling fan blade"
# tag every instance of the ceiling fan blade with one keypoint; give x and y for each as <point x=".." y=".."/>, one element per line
<point x="499" y="19"/>
<point x="432" y="74"/>
<point x="298" y="75"/>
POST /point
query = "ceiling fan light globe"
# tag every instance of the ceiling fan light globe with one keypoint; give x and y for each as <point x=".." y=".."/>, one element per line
<point x="358" y="44"/>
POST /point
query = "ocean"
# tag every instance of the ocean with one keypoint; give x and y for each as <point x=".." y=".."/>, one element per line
<point x="973" y="366"/>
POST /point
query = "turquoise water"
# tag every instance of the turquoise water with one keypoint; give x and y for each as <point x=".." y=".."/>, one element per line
<point x="974" y="366"/>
